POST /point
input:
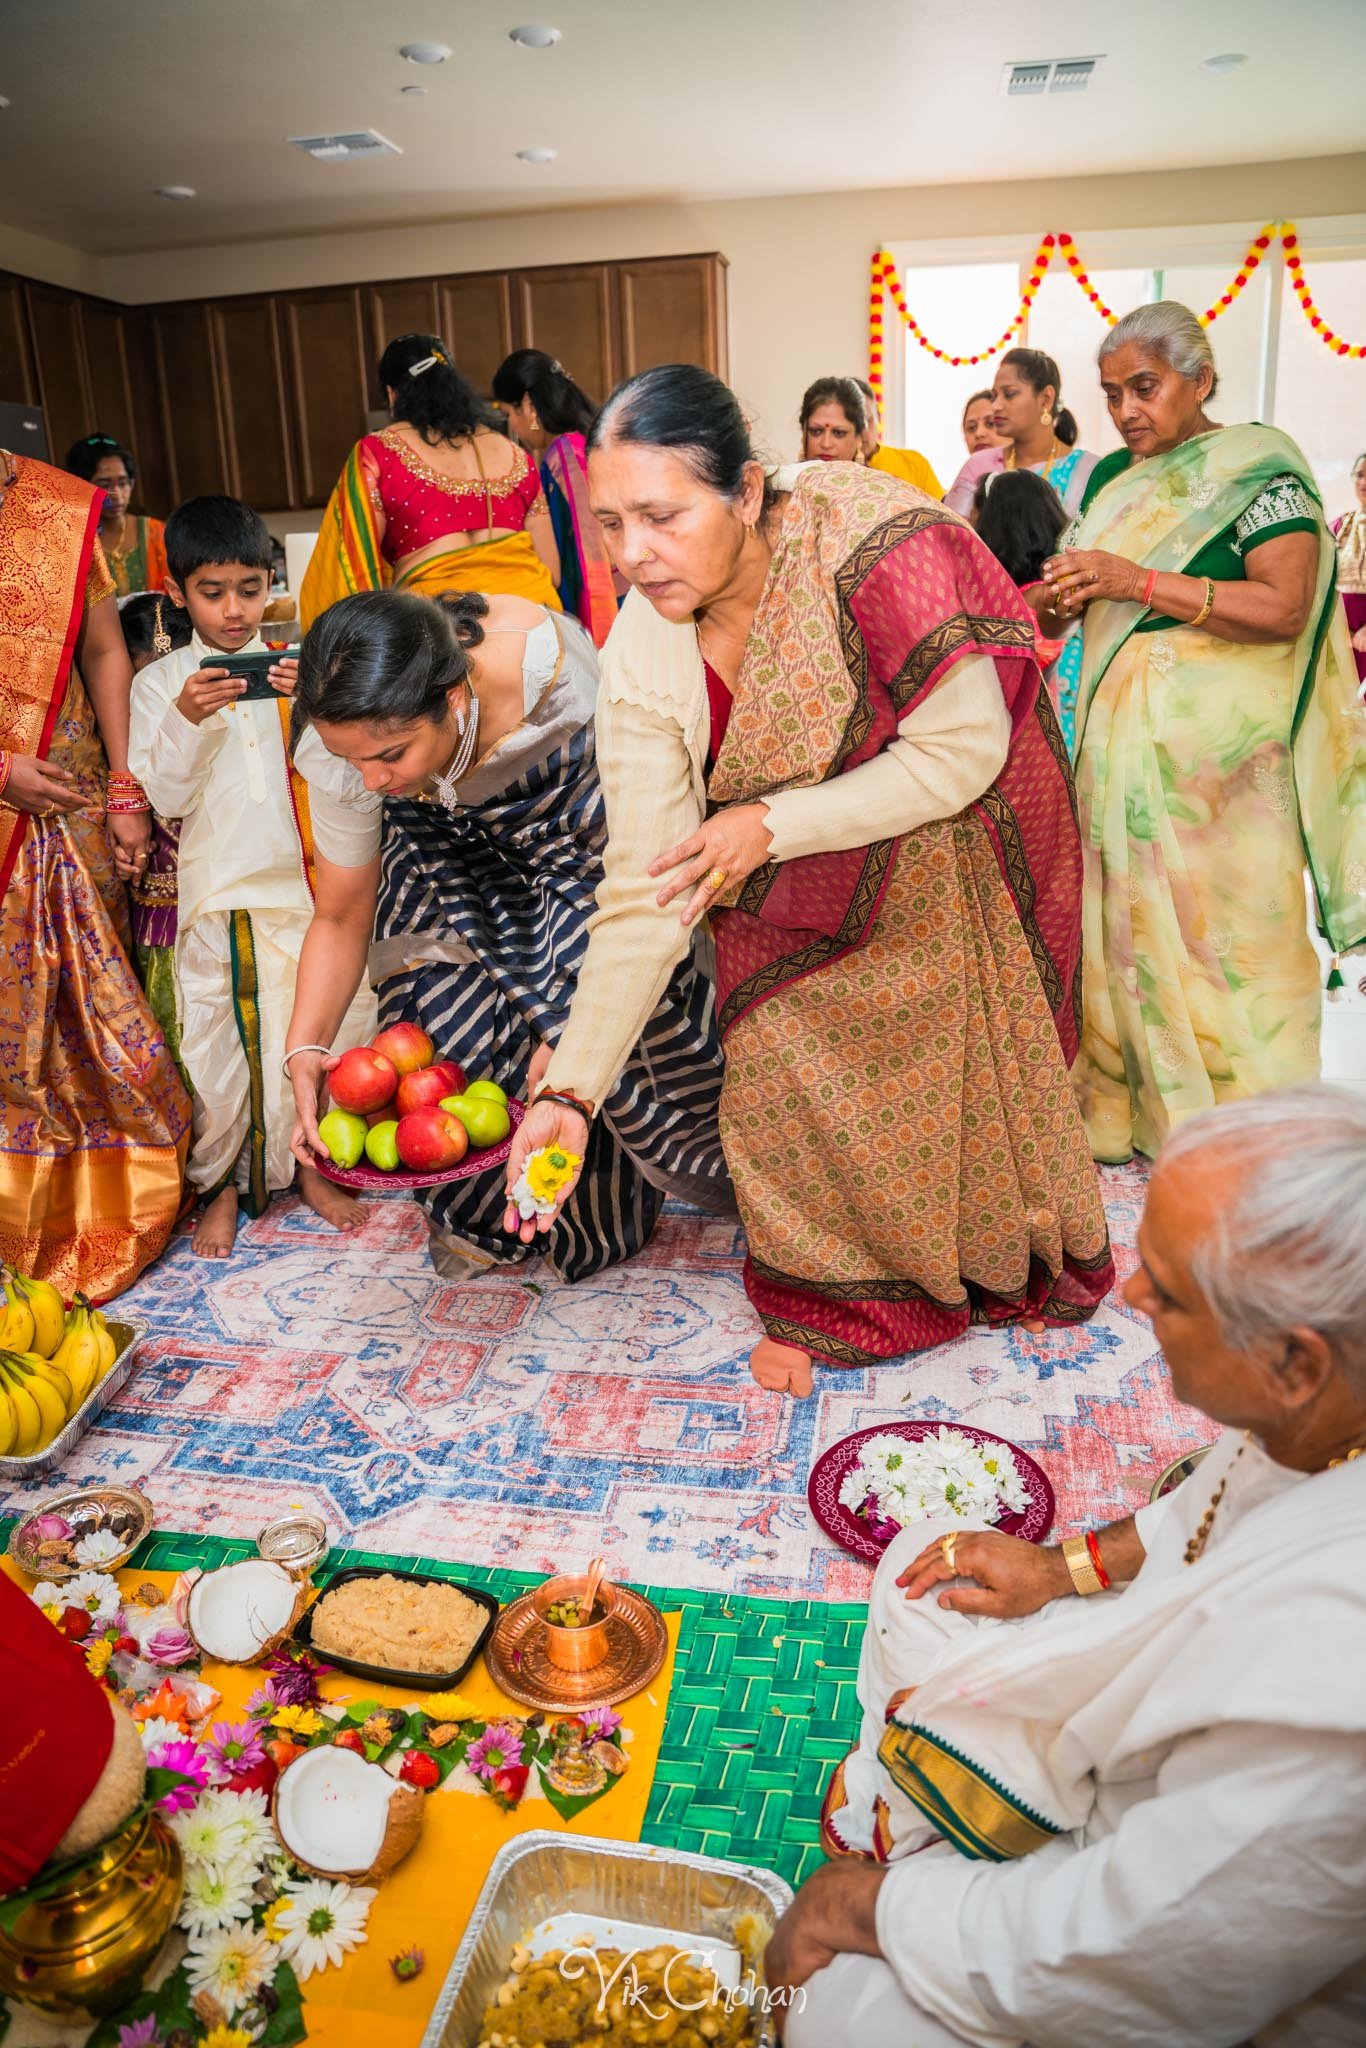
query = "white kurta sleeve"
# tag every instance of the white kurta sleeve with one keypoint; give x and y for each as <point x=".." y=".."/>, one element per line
<point x="947" y="751"/>
<point x="346" y="817"/>
<point x="170" y="756"/>
<point x="1232" y="1894"/>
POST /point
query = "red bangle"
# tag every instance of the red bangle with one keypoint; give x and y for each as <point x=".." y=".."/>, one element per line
<point x="1093" y="1549"/>
<point x="1148" y="588"/>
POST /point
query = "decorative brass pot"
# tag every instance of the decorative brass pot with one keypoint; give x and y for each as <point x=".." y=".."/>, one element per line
<point x="83" y="1951"/>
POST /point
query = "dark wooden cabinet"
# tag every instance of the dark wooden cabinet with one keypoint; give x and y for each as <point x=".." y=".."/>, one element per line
<point x="475" y="319"/>
<point x="187" y="372"/>
<point x="18" y="383"/>
<point x="571" y="314"/>
<point x="255" y="407"/>
<point x="54" y="320"/>
<point x="672" y="310"/>
<point x="264" y="395"/>
<point x="328" y="382"/>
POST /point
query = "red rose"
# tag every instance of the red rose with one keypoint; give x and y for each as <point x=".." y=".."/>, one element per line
<point x="421" y="1770"/>
<point x="509" y="1784"/>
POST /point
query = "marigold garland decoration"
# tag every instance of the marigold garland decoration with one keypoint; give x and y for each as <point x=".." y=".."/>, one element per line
<point x="886" y="283"/>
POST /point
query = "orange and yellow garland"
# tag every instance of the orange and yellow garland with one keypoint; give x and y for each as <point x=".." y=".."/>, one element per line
<point x="886" y="283"/>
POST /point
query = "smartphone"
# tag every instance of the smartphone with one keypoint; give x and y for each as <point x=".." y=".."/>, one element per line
<point x="254" y="668"/>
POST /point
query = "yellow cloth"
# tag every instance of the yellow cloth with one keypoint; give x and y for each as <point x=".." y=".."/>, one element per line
<point x="508" y="567"/>
<point x="428" y="1900"/>
<point x="911" y="466"/>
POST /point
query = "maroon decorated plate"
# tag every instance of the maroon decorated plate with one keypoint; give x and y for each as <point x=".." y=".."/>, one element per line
<point x="369" y="1179"/>
<point x="868" y="1539"/>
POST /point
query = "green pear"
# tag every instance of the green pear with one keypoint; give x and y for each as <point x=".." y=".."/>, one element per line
<point x="344" y="1136"/>
<point x="380" y="1149"/>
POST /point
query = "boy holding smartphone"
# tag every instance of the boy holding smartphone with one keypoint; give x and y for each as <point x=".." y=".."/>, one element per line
<point x="211" y="752"/>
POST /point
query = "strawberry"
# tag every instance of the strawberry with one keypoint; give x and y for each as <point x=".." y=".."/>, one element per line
<point x="350" y="1738"/>
<point x="509" y="1784"/>
<point x="74" y="1622"/>
<point x="260" y="1778"/>
<point x="421" y="1770"/>
<point x="283" y="1752"/>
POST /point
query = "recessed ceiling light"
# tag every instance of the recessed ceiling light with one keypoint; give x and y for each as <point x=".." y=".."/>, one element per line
<point x="537" y="156"/>
<point x="413" y="92"/>
<point x="175" y="192"/>
<point x="534" y="36"/>
<point x="1227" y="60"/>
<point x="425" y="53"/>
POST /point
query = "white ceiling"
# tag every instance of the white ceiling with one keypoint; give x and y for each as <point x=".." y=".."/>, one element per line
<point x="643" y="99"/>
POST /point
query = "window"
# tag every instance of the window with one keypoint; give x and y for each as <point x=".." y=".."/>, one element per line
<point x="959" y="306"/>
<point x="1321" y="397"/>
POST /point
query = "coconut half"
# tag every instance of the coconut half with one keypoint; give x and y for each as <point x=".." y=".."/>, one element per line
<point x="242" y="1612"/>
<point x="341" y="1817"/>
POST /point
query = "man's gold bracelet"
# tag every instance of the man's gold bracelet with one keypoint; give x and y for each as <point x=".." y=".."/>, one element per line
<point x="1082" y="1572"/>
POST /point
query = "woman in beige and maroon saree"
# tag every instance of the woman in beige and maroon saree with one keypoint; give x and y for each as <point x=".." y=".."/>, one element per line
<point x="898" y="1018"/>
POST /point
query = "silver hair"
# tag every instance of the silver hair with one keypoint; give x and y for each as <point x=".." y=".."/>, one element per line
<point x="1290" y="1247"/>
<point x="1166" y="329"/>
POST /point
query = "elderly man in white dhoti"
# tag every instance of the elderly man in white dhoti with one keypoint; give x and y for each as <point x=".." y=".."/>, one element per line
<point x="1137" y="1817"/>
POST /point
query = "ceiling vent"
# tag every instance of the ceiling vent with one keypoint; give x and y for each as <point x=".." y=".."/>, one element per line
<point x="1061" y="74"/>
<point x="329" y="147"/>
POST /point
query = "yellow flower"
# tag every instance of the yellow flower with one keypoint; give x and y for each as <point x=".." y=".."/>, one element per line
<point x="52" y="1613"/>
<point x="549" y="1170"/>
<point x="97" y="1657"/>
<point x="270" y="1925"/>
<point x="228" y="2037"/>
<point x="448" y="1706"/>
<point x="300" y="1720"/>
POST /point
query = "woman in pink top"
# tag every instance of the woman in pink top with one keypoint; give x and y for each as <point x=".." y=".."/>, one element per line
<point x="1037" y="432"/>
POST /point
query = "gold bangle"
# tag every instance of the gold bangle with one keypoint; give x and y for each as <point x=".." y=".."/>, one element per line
<point x="1081" y="1571"/>
<point x="1207" y="607"/>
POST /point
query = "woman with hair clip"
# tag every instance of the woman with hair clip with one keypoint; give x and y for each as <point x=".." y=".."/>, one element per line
<point x="134" y="545"/>
<point x="457" y="814"/>
<point x="1037" y="432"/>
<point x="441" y="500"/>
<point x="549" y="413"/>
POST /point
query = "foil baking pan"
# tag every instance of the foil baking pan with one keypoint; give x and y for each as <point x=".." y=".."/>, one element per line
<point x="38" y="1464"/>
<point x="541" y="1875"/>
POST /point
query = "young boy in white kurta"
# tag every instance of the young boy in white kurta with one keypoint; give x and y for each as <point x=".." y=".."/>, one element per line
<point x="220" y="765"/>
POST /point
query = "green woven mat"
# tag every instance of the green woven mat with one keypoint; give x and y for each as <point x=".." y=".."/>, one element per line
<point x="763" y="1704"/>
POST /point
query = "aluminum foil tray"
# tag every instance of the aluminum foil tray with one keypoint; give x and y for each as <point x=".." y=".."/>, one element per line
<point x="541" y="1874"/>
<point x="126" y="1338"/>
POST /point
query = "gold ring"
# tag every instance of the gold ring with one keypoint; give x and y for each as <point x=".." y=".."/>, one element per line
<point x="948" y="1546"/>
<point x="716" y="879"/>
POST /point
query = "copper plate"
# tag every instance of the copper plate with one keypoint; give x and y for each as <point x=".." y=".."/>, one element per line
<point x="88" y="1508"/>
<point x="637" y="1644"/>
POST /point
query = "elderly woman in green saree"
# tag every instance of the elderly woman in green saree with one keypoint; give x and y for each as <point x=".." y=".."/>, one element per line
<point x="1220" y="746"/>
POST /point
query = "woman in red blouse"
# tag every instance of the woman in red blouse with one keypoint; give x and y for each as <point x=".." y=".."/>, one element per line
<point x="441" y="500"/>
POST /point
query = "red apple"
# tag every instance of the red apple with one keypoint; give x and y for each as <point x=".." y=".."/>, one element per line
<point x="430" y="1140"/>
<point x="363" y="1080"/>
<point x="424" y="1089"/>
<point x="407" y="1045"/>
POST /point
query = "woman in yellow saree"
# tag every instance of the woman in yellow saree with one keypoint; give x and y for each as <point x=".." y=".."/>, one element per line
<point x="1221" y="745"/>
<point x="441" y="500"/>
<point x="94" y="1122"/>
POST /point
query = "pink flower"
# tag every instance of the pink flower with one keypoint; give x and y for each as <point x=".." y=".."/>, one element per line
<point x="169" y="1646"/>
<point x="232" y="1749"/>
<point x="265" y="1700"/>
<point x="141" y="2034"/>
<point x="601" y="1724"/>
<point x="499" y="1748"/>
<point x="185" y="1758"/>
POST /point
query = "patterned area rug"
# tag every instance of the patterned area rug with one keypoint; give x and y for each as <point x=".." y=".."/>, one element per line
<point x="514" y="1422"/>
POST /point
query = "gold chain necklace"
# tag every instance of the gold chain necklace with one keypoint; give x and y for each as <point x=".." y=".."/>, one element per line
<point x="1196" y="1547"/>
<point x="1055" y="454"/>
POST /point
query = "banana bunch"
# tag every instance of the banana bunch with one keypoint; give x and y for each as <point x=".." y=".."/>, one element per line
<point x="50" y="1361"/>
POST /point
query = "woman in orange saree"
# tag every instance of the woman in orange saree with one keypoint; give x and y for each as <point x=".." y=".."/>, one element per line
<point x="94" y="1122"/>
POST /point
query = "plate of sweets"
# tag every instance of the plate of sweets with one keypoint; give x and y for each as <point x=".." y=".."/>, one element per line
<point x="865" y="1489"/>
<point x="402" y="1118"/>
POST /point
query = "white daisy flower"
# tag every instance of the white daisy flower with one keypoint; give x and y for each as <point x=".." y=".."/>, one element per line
<point x="322" y="1923"/>
<point x="96" y="1592"/>
<point x="154" y="1733"/>
<point x="216" y="1895"/>
<point x="98" y="1547"/>
<point x="230" y="1963"/>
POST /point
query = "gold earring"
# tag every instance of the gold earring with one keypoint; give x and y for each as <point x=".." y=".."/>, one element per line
<point x="1046" y="417"/>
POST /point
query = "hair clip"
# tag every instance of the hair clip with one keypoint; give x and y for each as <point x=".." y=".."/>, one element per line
<point x="416" y="369"/>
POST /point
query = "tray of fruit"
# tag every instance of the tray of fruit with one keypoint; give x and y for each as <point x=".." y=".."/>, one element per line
<point x="401" y="1118"/>
<point x="58" y="1368"/>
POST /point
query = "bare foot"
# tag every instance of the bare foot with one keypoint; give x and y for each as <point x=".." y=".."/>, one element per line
<point x="1032" y="1325"/>
<point x="216" y="1231"/>
<point x="327" y="1200"/>
<point x="781" y="1368"/>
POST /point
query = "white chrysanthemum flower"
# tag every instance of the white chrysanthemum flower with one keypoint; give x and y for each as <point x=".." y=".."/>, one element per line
<point x="216" y="1894"/>
<point x="215" y="1830"/>
<point x="96" y="1592"/>
<point x="155" y="1732"/>
<point x="945" y="1472"/>
<point x="322" y="1923"/>
<point x="97" y="1548"/>
<point x="258" y="1838"/>
<point x="230" y="1963"/>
